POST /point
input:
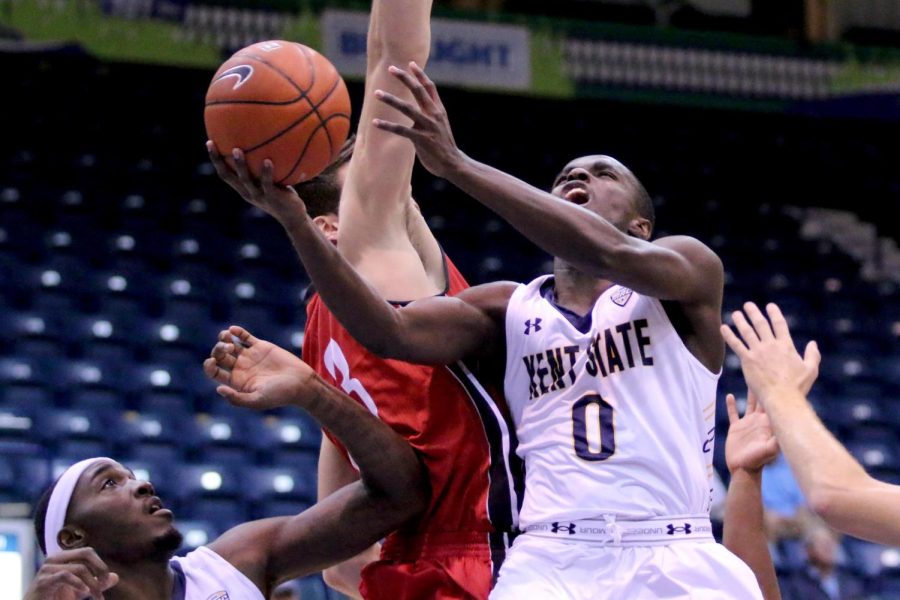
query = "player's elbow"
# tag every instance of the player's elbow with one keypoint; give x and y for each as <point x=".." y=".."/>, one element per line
<point x="343" y="577"/>
<point x="410" y="499"/>
<point x="828" y="500"/>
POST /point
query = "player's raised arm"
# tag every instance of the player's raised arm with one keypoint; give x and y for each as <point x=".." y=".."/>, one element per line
<point x="374" y="209"/>
<point x="438" y="330"/>
<point x="750" y="446"/>
<point x="675" y="268"/>
<point x="257" y="374"/>
<point x="836" y="486"/>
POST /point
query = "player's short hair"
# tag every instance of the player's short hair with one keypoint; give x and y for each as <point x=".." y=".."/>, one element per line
<point x="40" y="515"/>
<point x="643" y="203"/>
<point x="322" y="193"/>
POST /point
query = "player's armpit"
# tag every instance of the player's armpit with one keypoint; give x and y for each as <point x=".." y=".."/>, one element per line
<point x="442" y="330"/>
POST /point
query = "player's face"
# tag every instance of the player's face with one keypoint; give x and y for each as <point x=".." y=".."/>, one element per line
<point x="120" y="516"/>
<point x="601" y="184"/>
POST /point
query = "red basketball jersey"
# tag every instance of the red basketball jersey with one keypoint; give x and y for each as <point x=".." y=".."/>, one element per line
<point x="445" y="414"/>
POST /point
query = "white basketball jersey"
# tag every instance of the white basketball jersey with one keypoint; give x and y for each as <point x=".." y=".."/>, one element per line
<point x="208" y="576"/>
<point x="617" y="419"/>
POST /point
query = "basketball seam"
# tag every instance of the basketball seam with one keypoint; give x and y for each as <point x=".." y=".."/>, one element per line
<point x="315" y="109"/>
<point x="300" y="120"/>
<point x="312" y="70"/>
<point x="323" y="123"/>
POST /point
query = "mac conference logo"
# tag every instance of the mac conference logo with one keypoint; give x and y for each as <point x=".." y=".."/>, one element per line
<point x="621" y="296"/>
<point x="241" y="72"/>
<point x="223" y="595"/>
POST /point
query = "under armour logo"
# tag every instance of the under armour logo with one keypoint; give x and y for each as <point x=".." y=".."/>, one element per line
<point x="556" y="527"/>
<point x="529" y="326"/>
<point x="673" y="530"/>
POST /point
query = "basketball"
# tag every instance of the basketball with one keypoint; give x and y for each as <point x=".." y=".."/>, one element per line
<point x="282" y="101"/>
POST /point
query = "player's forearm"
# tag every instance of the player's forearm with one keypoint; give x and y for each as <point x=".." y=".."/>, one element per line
<point x="387" y="464"/>
<point x="744" y="531"/>
<point x="399" y="32"/>
<point x="355" y="303"/>
<point x="581" y="238"/>
<point x="824" y="469"/>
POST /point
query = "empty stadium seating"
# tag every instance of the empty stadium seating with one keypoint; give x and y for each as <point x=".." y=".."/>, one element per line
<point x="122" y="256"/>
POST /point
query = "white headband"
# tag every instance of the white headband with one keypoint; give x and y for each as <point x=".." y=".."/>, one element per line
<point x="59" y="503"/>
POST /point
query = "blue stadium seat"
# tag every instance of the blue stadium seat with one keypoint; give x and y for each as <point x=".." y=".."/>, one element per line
<point x="206" y="480"/>
<point x="32" y="473"/>
<point x="8" y="477"/>
<point x="288" y="433"/>
<point x="196" y="533"/>
<point x="222" y="513"/>
<point x="279" y="483"/>
<point x="25" y="397"/>
<point x="131" y="427"/>
<point x="19" y="424"/>
<point x="106" y="401"/>
<point x="875" y="454"/>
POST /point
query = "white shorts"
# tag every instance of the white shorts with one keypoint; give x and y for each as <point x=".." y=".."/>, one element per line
<point x="540" y="567"/>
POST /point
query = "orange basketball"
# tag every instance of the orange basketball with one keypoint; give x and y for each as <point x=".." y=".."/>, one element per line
<point x="282" y="101"/>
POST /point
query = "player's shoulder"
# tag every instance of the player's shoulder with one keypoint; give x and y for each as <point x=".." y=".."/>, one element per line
<point x="489" y="295"/>
<point x="691" y="248"/>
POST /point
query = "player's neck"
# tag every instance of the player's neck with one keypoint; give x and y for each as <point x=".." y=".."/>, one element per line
<point x="146" y="580"/>
<point x="575" y="290"/>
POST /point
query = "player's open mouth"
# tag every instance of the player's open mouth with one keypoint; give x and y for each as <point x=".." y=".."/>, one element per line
<point x="576" y="192"/>
<point x="156" y="508"/>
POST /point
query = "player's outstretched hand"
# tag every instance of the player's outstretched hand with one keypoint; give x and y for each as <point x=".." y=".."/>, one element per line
<point x="430" y="132"/>
<point x="751" y="442"/>
<point x="769" y="360"/>
<point x="72" y="575"/>
<point x="280" y="201"/>
<point x="257" y="374"/>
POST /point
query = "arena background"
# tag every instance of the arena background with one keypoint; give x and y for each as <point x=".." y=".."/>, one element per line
<point x="768" y="130"/>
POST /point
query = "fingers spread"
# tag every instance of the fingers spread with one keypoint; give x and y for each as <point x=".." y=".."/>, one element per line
<point x="402" y="106"/>
<point x="745" y="329"/>
<point x="222" y="170"/>
<point x="243" y="173"/>
<point x="760" y="324"/>
<point x="426" y="82"/>
<point x="395" y="128"/>
<point x="733" y="341"/>
<point x="779" y="323"/>
<point x="811" y="355"/>
<point x="418" y="91"/>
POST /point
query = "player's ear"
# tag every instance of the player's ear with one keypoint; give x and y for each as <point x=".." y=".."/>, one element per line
<point x="71" y="537"/>
<point x="328" y="225"/>
<point x="640" y="227"/>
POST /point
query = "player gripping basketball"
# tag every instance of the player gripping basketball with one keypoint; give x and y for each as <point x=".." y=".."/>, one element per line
<point x="611" y="369"/>
<point x="457" y="546"/>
